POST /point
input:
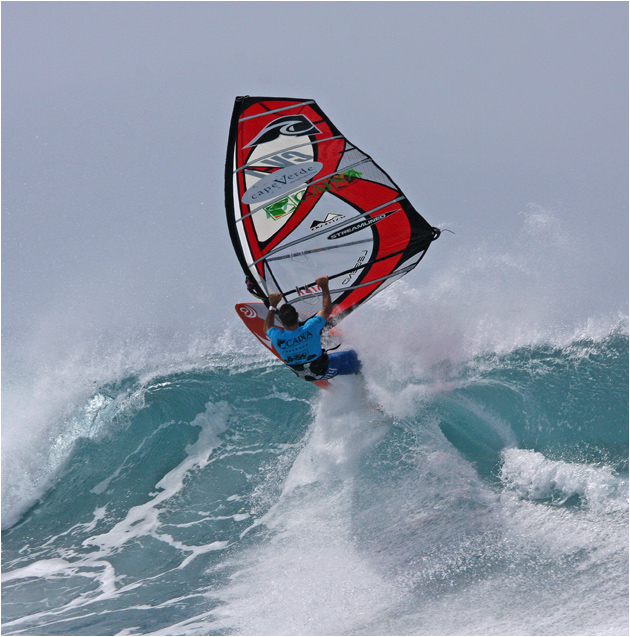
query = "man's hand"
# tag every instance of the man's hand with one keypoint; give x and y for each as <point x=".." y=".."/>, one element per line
<point x="326" y="310"/>
<point x="274" y="299"/>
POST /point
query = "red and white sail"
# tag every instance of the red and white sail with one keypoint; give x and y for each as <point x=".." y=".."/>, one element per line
<point x="303" y="202"/>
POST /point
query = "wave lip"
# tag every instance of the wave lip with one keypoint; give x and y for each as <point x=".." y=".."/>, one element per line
<point x="534" y="477"/>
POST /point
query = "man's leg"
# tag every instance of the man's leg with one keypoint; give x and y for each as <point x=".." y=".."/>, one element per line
<point x="343" y="363"/>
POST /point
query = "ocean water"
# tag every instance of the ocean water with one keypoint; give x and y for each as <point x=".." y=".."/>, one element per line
<point x="478" y="493"/>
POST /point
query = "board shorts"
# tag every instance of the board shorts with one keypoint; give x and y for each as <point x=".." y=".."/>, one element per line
<point x="328" y="366"/>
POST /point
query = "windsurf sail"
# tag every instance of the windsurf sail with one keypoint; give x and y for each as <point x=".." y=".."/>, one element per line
<point x="303" y="202"/>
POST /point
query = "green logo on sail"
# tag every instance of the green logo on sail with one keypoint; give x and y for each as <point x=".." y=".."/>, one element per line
<point x="289" y="204"/>
<point x="284" y="206"/>
<point x="336" y="182"/>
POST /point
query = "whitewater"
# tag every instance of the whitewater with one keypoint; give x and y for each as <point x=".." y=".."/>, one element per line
<point x="474" y="480"/>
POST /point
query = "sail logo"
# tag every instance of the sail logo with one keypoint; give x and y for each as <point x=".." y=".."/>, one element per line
<point x="248" y="311"/>
<point x="291" y="125"/>
<point x="281" y="182"/>
<point x="284" y="207"/>
<point x="289" y="158"/>
<point x="330" y="219"/>
<point x="308" y="290"/>
<point x="336" y="182"/>
<point x="360" y="260"/>
<point x="356" y="227"/>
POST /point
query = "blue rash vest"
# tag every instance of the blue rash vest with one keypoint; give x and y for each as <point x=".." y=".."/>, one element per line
<point x="299" y="346"/>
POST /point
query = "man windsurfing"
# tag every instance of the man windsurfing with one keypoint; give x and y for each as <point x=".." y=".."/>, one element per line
<point x="300" y="346"/>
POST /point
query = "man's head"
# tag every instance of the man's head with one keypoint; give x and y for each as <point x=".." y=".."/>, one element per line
<point x="288" y="315"/>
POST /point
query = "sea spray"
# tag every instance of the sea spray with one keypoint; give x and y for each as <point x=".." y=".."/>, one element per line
<point x="309" y="571"/>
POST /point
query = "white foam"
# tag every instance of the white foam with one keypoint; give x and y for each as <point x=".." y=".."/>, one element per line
<point x="345" y="426"/>
<point x="312" y="582"/>
<point x="311" y="576"/>
<point x="42" y="568"/>
<point x="533" y="476"/>
<point x="92" y="567"/>
<point x="143" y="519"/>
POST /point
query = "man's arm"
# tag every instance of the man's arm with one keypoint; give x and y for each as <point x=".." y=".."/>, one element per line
<point x="326" y="310"/>
<point x="274" y="299"/>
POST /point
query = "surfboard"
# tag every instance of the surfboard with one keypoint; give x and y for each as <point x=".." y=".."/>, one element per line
<point x="253" y="315"/>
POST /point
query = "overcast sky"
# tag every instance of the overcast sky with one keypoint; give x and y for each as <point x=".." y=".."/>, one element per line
<point x="115" y="119"/>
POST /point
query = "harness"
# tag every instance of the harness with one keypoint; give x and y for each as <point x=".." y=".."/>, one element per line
<point x="315" y="370"/>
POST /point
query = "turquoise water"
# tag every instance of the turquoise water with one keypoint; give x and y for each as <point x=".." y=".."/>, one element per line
<point x="483" y="496"/>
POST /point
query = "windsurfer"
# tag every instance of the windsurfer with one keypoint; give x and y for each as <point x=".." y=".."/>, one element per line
<point x="300" y="346"/>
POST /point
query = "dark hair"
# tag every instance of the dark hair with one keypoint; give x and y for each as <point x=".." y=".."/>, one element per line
<point x="288" y="314"/>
